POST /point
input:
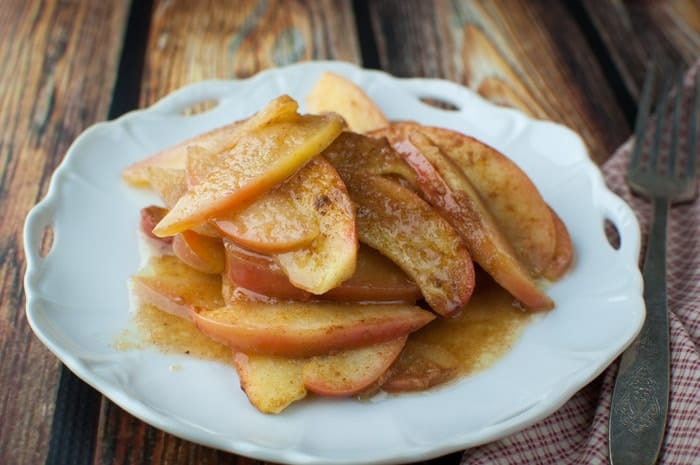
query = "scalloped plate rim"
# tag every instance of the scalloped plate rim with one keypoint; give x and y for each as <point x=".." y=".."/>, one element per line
<point x="47" y="207"/>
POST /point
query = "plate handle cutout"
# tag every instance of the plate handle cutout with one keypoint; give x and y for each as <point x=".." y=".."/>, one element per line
<point x="612" y="234"/>
<point x="620" y="228"/>
<point x="439" y="102"/>
<point x="199" y="108"/>
<point x="46" y="244"/>
<point x="194" y="99"/>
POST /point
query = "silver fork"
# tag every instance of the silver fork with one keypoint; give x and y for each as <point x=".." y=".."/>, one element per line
<point x="639" y="406"/>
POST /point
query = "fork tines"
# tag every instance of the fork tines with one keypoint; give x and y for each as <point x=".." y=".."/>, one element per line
<point x="662" y="151"/>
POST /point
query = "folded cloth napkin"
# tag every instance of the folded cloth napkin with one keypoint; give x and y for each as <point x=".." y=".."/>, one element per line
<point x="577" y="433"/>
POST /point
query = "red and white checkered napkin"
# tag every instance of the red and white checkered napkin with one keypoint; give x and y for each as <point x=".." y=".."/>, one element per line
<point x="577" y="433"/>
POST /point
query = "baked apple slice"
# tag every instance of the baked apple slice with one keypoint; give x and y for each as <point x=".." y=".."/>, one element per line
<point x="563" y="251"/>
<point x="352" y="371"/>
<point x="301" y="329"/>
<point x="149" y="244"/>
<point x="217" y="140"/>
<point x="275" y="222"/>
<point x="354" y="153"/>
<point x="260" y="274"/>
<point x="203" y="253"/>
<point x="450" y="191"/>
<point x="509" y="194"/>
<point x="168" y="183"/>
<point x="376" y="278"/>
<point x="306" y="224"/>
<point x="271" y="383"/>
<point x="259" y="160"/>
<point x="420" y="367"/>
<point x="395" y="221"/>
<point x="335" y="93"/>
<point x="174" y="287"/>
<point x="331" y="257"/>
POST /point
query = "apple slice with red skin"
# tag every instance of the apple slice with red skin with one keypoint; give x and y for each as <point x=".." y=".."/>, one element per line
<point x="272" y="383"/>
<point x="450" y="192"/>
<point x="203" y="253"/>
<point x="154" y="245"/>
<point x="376" y="278"/>
<point x="259" y="274"/>
<point x="302" y="329"/>
<point x="353" y="371"/>
<point x="398" y="223"/>
<point x="563" y="251"/>
<point x="509" y="194"/>
<point x="259" y="160"/>
<point x="174" y="287"/>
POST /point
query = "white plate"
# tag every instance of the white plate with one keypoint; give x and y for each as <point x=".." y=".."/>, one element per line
<point x="77" y="300"/>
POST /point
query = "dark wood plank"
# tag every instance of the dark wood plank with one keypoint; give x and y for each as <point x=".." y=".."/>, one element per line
<point x="125" y="439"/>
<point x="634" y="33"/>
<point x="241" y="39"/>
<point x="230" y="41"/>
<point x="58" y="66"/>
<point x="529" y="55"/>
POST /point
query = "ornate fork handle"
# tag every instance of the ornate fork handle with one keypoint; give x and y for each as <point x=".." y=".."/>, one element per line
<point x="640" y="398"/>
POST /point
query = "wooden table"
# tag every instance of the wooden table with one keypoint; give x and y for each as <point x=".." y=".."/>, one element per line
<point x="68" y="64"/>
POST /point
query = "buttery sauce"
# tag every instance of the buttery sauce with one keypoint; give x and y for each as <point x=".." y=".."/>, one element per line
<point x="444" y="350"/>
<point x="174" y="335"/>
<point x="450" y="348"/>
<point x="171" y="334"/>
<point x="485" y="330"/>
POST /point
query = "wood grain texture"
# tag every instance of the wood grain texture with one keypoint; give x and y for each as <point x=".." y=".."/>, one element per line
<point x="148" y="445"/>
<point x="671" y="33"/>
<point x="529" y="55"/>
<point x="58" y="66"/>
<point x="238" y="39"/>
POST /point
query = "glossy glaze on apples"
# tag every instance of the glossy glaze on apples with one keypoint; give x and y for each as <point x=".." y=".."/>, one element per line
<point x="442" y="351"/>
<point x="257" y="253"/>
<point x="260" y="159"/>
